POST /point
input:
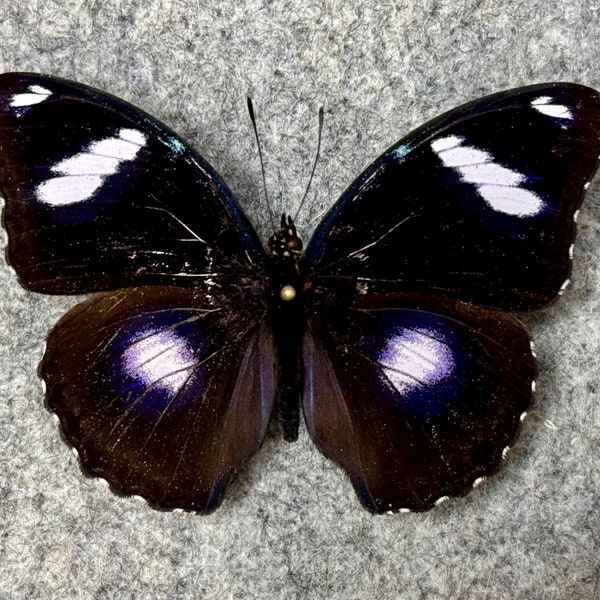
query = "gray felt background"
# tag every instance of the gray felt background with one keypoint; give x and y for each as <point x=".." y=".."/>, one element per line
<point x="291" y="526"/>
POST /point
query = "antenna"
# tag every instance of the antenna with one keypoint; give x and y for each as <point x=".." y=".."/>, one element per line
<point x="314" y="164"/>
<point x="262" y="164"/>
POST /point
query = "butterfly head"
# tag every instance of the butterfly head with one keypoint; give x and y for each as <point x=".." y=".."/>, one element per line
<point x="285" y="244"/>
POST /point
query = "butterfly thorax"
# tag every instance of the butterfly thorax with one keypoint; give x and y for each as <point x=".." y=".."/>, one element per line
<point x="287" y="321"/>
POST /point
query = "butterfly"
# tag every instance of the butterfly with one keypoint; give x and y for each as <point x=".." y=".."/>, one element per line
<point x="395" y="330"/>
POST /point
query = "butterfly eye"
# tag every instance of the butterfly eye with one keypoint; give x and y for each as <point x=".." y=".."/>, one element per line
<point x="294" y="244"/>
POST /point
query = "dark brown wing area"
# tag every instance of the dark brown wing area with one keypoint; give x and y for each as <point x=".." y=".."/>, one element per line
<point x="415" y="398"/>
<point x="163" y="391"/>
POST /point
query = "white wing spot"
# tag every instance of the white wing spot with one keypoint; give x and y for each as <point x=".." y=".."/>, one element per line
<point x="491" y="173"/>
<point x="132" y="135"/>
<point x="414" y="358"/>
<point x="461" y="156"/>
<point x="445" y="143"/>
<point x="160" y="358"/>
<point x="532" y="348"/>
<point x="497" y="185"/>
<point x="546" y="106"/>
<point x="81" y="175"/>
<point x="34" y="95"/>
<point x="58" y="193"/>
<point x="564" y="286"/>
<point x="512" y="200"/>
<point x="87" y="164"/>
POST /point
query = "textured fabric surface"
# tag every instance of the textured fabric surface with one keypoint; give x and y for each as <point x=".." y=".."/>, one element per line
<point x="291" y="527"/>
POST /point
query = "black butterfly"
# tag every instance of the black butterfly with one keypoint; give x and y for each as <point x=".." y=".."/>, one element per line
<point x="395" y="327"/>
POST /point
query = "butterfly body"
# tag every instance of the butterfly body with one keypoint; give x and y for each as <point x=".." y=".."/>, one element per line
<point x="396" y="330"/>
<point x="287" y="318"/>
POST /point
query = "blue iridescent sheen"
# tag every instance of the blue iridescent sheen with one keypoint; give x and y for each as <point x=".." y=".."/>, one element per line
<point x="422" y="356"/>
<point x="156" y="361"/>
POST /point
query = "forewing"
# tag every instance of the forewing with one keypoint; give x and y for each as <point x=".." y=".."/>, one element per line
<point x="416" y="398"/>
<point x="99" y="195"/>
<point x="478" y="204"/>
<point x="163" y="391"/>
